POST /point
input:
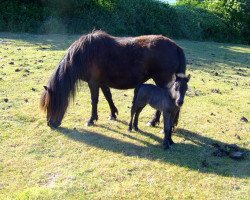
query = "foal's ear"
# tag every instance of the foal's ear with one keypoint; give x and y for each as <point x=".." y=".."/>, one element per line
<point x="174" y="77"/>
<point x="188" y="77"/>
<point x="46" y="88"/>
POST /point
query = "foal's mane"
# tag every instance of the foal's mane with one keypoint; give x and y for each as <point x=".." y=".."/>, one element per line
<point x="174" y="77"/>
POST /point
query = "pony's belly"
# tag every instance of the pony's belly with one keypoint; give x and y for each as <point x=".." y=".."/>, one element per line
<point x="121" y="86"/>
<point x="124" y="83"/>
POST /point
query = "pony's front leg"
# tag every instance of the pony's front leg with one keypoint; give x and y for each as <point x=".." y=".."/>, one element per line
<point x="167" y="130"/>
<point x="108" y="96"/>
<point x="94" y="91"/>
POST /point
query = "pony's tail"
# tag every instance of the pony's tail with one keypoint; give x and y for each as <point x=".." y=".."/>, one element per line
<point x="182" y="59"/>
<point x="136" y="93"/>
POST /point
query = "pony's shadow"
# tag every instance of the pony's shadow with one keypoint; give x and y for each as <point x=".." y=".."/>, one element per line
<point x="192" y="154"/>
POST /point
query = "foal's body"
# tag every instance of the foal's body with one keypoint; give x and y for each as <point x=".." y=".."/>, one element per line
<point x="158" y="98"/>
<point x="167" y="100"/>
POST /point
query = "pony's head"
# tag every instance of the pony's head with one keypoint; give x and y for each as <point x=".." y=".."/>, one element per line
<point x="62" y="85"/>
<point x="56" y="95"/>
<point x="178" y="88"/>
<point x="48" y="104"/>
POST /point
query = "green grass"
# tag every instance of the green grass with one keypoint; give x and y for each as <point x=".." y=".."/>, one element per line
<point x="106" y="161"/>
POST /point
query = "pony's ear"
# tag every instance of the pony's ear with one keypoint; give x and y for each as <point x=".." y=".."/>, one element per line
<point x="188" y="77"/>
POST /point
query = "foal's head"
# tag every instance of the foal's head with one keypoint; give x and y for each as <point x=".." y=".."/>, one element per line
<point x="178" y="88"/>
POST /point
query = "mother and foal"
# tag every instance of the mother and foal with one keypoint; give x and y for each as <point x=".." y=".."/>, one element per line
<point x="104" y="61"/>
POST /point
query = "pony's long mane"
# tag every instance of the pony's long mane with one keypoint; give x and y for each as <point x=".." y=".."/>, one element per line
<point x="63" y="83"/>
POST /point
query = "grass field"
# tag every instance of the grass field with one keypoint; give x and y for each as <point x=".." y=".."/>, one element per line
<point x="106" y="161"/>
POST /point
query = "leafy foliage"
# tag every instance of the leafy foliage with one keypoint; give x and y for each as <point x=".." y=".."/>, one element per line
<point x="192" y="19"/>
<point x="236" y="13"/>
<point x="198" y="23"/>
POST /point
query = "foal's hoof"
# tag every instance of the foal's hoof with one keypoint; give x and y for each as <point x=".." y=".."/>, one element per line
<point x="113" y="118"/>
<point x="171" y="142"/>
<point x="136" y="129"/>
<point x="166" y="147"/>
<point x="150" y="124"/>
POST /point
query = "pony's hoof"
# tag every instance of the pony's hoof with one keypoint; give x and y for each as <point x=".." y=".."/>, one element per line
<point x="89" y="124"/>
<point x="112" y="118"/>
<point x="162" y="131"/>
<point x="130" y="129"/>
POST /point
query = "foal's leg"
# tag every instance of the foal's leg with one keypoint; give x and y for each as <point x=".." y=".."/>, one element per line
<point x="94" y="91"/>
<point x="167" y="130"/>
<point x="108" y="96"/>
<point x="173" y="116"/>
<point x="157" y="115"/>
<point x="135" y="124"/>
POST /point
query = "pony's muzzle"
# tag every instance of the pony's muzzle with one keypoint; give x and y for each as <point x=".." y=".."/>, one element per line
<point x="53" y="124"/>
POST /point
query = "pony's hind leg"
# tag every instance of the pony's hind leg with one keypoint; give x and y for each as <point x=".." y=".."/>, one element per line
<point x="94" y="91"/>
<point x="155" y="120"/>
<point x="108" y="96"/>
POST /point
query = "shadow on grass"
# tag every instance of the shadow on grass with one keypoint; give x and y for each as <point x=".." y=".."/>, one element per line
<point x="190" y="155"/>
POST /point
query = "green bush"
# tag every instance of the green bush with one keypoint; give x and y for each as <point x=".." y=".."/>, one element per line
<point x="235" y="14"/>
<point x="198" y="23"/>
<point x="120" y="17"/>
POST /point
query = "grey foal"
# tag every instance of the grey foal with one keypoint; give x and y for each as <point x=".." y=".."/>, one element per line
<point x="167" y="100"/>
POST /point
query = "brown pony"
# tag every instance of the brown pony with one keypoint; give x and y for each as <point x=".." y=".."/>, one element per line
<point x="104" y="61"/>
